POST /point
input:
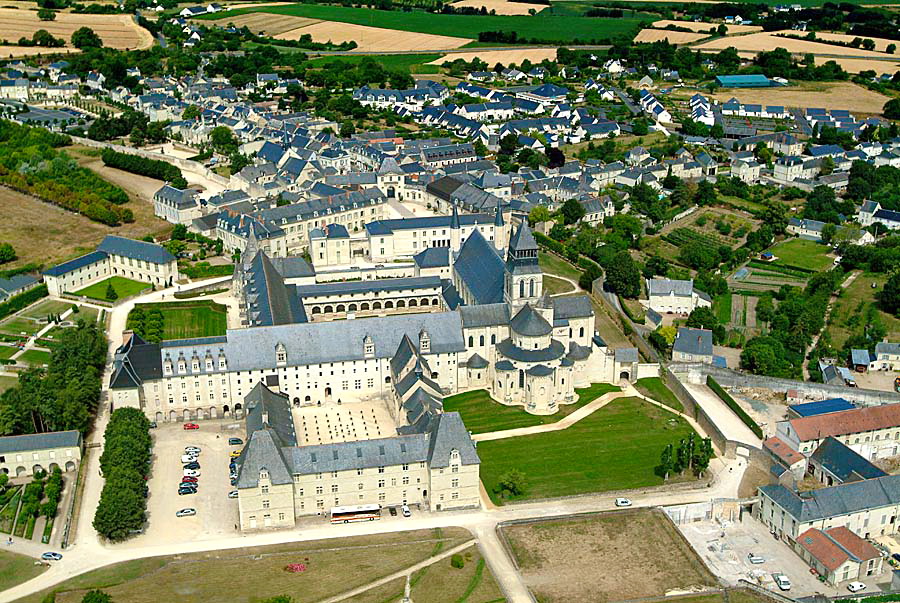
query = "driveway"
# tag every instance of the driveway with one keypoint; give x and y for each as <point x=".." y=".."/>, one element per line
<point x="724" y="418"/>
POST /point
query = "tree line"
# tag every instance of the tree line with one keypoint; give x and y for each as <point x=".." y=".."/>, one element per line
<point x="152" y="168"/>
<point x="30" y="163"/>
<point x="125" y="464"/>
<point x="66" y="394"/>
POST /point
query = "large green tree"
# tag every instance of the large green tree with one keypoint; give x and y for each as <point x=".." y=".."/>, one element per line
<point x="85" y="37"/>
<point x="623" y="275"/>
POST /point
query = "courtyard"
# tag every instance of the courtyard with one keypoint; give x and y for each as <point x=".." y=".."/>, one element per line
<point x="124" y="287"/>
<point x="345" y="423"/>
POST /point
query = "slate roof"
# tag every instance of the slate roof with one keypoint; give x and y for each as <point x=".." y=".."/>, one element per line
<point x="842" y="462"/>
<point x="530" y="323"/>
<point x="508" y="349"/>
<point x="39" y="441"/>
<point x="269" y="300"/>
<point x="262" y="452"/>
<point x="843" y="499"/>
<point x="484" y="315"/>
<point x="665" y="286"/>
<point x="433" y="257"/>
<point x="137" y="250"/>
<point x="481" y="269"/>
<point x="697" y="342"/>
<point x="626" y="355"/>
<point x="262" y="403"/>
<point x="476" y="362"/>
<point x="80" y="262"/>
<point x="386" y="284"/>
<point x="576" y="306"/>
<point x="821" y="407"/>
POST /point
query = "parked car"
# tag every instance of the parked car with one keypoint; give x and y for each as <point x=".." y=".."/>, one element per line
<point x="191" y="473"/>
<point x="405" y="510"/>
<point x="186" y="512"/>
<point x="153" y="425"/>
<point x="393" y="511"/>
<point x="234" y="481"/>
<point x="191" y="450"/>
<point x="189" y="480"/>
<point x="755" y="559"/>
<point x="235" y="442"/>
<point x="189" y="426"/>
<point x="183" y="491"/>
<point x="781" y="581"/>
<point x="855" y="587"/>
<point x="896" y="557"/>
<point x="233" y="494"/>
<point x="623" y="502"/>
<point x="188" y="458"/>
<point x="192" y="465"/>
<point x="50" y="556"/>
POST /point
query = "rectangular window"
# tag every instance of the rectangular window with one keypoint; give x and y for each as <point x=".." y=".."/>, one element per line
<point x="334" y="488"/>
<point x="381" y="483"/>
<point x="265" y="504"/>
<point x="319" y="489"/>
<point x="454" y="483"/>
<point x="265" y="489"/>
<point x="405" y="480"/>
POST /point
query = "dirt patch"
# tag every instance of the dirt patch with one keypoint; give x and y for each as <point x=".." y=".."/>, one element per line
<point x="535" y="55"/>
<point x="502" y="7"/>
<point x="116" y="31"/>
<point x="373" y="39"/>
<point x="267" y="23"/>
<point x="705" y="27"/>
<point x="756" y="42"/>
<point x="838" y="95"/>
<point x="137" y="186"/>
<point x="673" y="37"/>
<point x="607" y="557"/>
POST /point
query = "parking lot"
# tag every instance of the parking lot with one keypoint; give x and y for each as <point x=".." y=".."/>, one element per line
<point x="217" y="514"/>
<point x="725" y="549"/>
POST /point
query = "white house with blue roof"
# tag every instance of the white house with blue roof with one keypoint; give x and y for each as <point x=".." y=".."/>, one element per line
<point x="115" y="256"/>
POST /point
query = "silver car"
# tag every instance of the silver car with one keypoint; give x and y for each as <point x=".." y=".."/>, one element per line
<point x="186" y="512"/>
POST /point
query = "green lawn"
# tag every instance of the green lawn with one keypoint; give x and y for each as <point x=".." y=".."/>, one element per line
<point x="35" y="357"/>
<point x="188" y="319"/>
<point x="722" y="307"/>
<point x="16" y="569"/>
<point x="546" y="28"/>
<point x="615" y="448"/>
<point x="553" y="285"/>
<point x="7" y="382"/>
<point x="552" y="264"/>
<point x="17" y="325"/>
<point x="44" y="307"/>
<point x="802" y="254"/>
<point x="124" y="287"/>
<point x="6" y="351"/>
<point x="482" y="414"/>
<point x="653" y="387"/>
<point x="856" y="304"/>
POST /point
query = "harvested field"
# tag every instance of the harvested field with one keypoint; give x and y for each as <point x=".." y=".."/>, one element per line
<point x="373" y="39"/>
<point x="837" y="95"/>
<point x="857" y="65"/>
<point x="491" y="57"/>
<point x="880" y="43"/>
<point x="501" y="7"/>
<point x="704" y="27"/>
<point x="12" y="52"/>
<point x="674" y="37"/>
<point x="116" y="31"/>
<point x="641" y="553"/>
<point x="756" y="42"/>
<point x="267" y="23"/>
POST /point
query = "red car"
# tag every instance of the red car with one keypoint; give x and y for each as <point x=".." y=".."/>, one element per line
<point x="191" y="426"/>
<point x="190" y="479"/>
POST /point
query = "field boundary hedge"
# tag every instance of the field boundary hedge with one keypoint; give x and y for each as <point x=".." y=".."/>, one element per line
<point x="733" y="405"/>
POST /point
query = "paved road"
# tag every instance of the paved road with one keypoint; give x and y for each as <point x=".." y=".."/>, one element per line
<point x="724" y="418"/>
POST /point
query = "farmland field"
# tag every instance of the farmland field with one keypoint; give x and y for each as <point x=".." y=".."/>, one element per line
<point x="755" y="42"/>
<point x="116" y="31"/>
<point x="705" y="27"/>
<point x="673" y="37"/>
<point x="513" y="55"/>
<point x="563" y="29"/>
<point x="372" y="39"/>
<point x="501" y="7"/>
<point x="829" y="95"/>
<point x="641" y="553"/>
<point x="615" y="448"/>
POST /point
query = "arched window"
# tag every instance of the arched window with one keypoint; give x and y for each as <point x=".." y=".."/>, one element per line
<point x="493" y="338"/>
<point x="521" y="378"/>
<point x="481" y="340"/>
<point x="531" y="288"/>
<point x="581" y="332"/>
<point x="522" y="288"/>
<point x="471" y="341"/>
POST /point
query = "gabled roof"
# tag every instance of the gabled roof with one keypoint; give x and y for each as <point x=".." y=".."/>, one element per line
<point x="137" y="250"/>
<point x="482" y="270"/>
<point x="693" y="341"/>
<point x="858" y="420"/>
<point x="844" y="463"/>
<point x="39" y="441"/>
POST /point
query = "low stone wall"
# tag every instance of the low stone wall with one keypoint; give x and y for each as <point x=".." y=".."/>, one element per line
<point x="697" y="372"/>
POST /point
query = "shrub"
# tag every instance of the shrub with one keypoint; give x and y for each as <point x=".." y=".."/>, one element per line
<point x="457" y="561"/>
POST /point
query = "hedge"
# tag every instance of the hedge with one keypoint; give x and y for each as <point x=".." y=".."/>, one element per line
<point x="22" y="300"/>
<point x="730" y="402"/>
<point x="142" y="166"/>
<point x="205" y="270"/>
<point x="635" y="319"/>
<point x="551" y="244"/>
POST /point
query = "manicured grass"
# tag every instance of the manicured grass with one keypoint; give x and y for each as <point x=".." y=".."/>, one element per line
<point x="188" y="319"/>
<point x="802" y="254"/>
<point x="16" y="569"/>
<point x="333" y="566"/>
<point x="653" y="387"/>
<point x="552" y="264"/>
<point x="482" y="414"/>
<point x="6" y="351"/>
<point x="44" y="307"/>
<point x="550" y="28"/>
<point x="35" y="357"/>
<point x="124" y="287"/>
<point x="17" y="325"/>
<point x="615" y="448"/>
<point x="553" y="285"/>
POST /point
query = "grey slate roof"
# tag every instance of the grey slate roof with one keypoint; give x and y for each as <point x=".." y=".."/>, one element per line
<point x="693" y="341"/>
<point x="530" y="323"/>
<point x="79" y="262"/>
<point x="262" y="451"/>
<point x="510" y="350"/>
<point x="362" y="454"/>
<point x="665" y="286"/>
<point x="268" y="409"/>
<point x="39" y="441"/>
<point x="138" y="250"/>
<point x="433" y="257"/>
<point x="843" y="462"/>
<point x="486" y="315"/>
<point x="577" y="306"/>
<point x="481" y="269"/>
<point x="837" y="500"/>
<point x="626" y="355"/>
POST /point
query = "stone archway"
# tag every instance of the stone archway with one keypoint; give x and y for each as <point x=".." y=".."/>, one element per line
<point x="70" y="466"/>
<point x="160" y="417"/>
<point x="625" y="375"/>
<point x="172" y="416"/>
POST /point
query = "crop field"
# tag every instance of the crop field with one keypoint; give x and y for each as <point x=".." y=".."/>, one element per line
<point x="682" y="236"/>
<point x="673" y="37"/>
<point x="563" y="29"/>
<point x="881" y="44"/>
<point x="755" y="42"/>
<point x="116" y="31"/>
<point x="617" y="447"/>
<point x="501" y="7"/>
<point x="705" y="27"/>
<point x="372" y="39"/>
<point x="830" y="95"/>
<point x="266" y="23"/>
<point x="858" y="65"/>
<point x="641" y="553"/>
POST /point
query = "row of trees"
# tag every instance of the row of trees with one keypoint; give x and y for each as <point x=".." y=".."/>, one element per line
<point x="152" y="168"/>
<point x="149" y="323"/>
<point x="125" y="464"/>
<point x="692" y="454"/>
<point x="66" y="394"/>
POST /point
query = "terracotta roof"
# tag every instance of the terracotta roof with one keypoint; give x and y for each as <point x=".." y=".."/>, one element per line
<point x="782" y="451"/>
<point x="849" y="421"/>
<point x="835" y="546"/>
<point x="859" y="547"/>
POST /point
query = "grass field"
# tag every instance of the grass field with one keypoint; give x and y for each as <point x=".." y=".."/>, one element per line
<point x="124" y="287"/>
<point x="653" y="387"/>
<point x="6" y="351"/>
<point x="552" y="264"/>
<point x="44" y="307"/>
<point x="801" y="253"/>
<point x="850" y="313"/>
<point x="7" y="382"/>
<point x="481" y="413"/>
<point x="34" y="357"/>
<point x="615" y="448"/>
<point x="722" y="307"/>
<point x="15" y="569"/>
<point x="188" y="319"/>
<point x="251" y="574"/>
<point x="563" y="29"/>
<point x="641" y="553"/>
<point x="414" y="63"/>
<point x="554" y="286"/>
<point x="17" y="325"/>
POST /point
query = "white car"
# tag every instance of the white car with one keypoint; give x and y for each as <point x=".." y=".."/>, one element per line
<point x="188" y="458"/>
<point x="623" y="502"/>
<point x="855" y="587"/>
<point x="233" y="494"/>
<point x="781" y="581"/>
<point x="186" y="512"/>
<point x="405" y="510"/>
<point x="191" y="473"/>
<point x="755" y="559"/>
<point x="191" y="450"/>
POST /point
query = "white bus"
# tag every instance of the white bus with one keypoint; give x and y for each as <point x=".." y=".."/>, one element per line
<point x="355" y="513"/>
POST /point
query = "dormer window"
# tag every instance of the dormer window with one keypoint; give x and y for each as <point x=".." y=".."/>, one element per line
<point x="368" y="347"/>
<point x="182" y="366"/>
<point x="167" y="367"/>
<point x="195" y="366"/>
<point x="209" y="364"/>
<point x="263" y="474"/>
<point x="221" y="363"/>
<point x="280" y="354"/>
